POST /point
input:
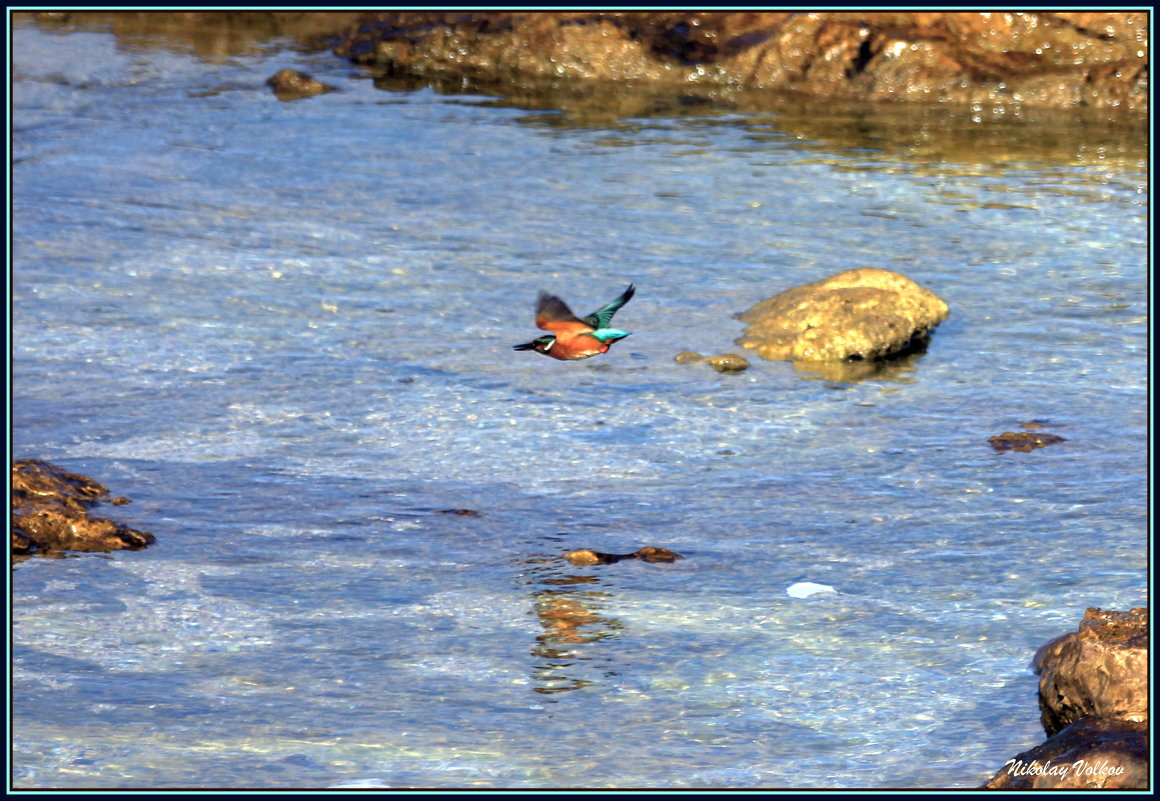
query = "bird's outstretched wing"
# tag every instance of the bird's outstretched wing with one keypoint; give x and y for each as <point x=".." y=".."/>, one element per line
<point x="601" y="317"/>
<point x="553" y="314"/>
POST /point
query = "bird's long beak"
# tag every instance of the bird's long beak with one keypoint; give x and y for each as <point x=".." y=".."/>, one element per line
<point x="525" y="346"/>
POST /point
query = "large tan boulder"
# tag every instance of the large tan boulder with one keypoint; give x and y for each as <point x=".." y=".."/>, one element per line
<point x="856" y="315"/>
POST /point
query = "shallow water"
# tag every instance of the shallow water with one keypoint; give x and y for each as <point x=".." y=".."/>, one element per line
<point x="284" y="330"/>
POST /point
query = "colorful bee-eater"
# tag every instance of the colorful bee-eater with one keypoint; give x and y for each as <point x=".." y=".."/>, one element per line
<point x="573" y="337"/>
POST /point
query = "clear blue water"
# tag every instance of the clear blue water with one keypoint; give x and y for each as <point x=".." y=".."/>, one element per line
<point x="284" y="330"/>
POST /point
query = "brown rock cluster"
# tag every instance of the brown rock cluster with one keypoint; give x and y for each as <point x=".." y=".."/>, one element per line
<point x="856" y="315"/>
<point x="50" y="513"/>
<point x="1093" y="695"/>
<point x="1036" y="58"/>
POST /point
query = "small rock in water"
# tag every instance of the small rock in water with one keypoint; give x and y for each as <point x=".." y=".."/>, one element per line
<point x="865" y="314"/>
<point x="728" y="363"/>
<point x="587" y="557"/>
<point x="645" y="554"/>
<point x="725" y="363"/>
<point x="295" y="85"/>
<point x="651" y="554"/>
<point x="804" y="589"/>
<point x="1023" y="441"/>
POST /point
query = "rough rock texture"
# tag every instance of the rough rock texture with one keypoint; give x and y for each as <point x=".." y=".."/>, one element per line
<point x="50" y="512"/>
<point x="728" y="363"/>
<point x="294" y="85"/>
<point x="1092" y="753"/>
<point x="1093" y="695"/>
<point x="1100" y="670"/>
<point x="861" y="314"/>
<point x="1041" y="58"/>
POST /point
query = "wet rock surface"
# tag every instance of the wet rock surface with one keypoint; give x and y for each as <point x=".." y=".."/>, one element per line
<point x="1057" y="59"/>
<point x="728" y="363"/>
<point x="294" y="85"/>
<point x="725" y="363"/>
<point x="1093" y="753"/>
<point x="1023" y="441"/>
<point x="857" y="315"/>
<point x="50" y="513"/>
<point x="645" y="554"/>
<point x="1093" y="695"/>
<point x="1066" y="70"/>
<point x="1100" y="670"/>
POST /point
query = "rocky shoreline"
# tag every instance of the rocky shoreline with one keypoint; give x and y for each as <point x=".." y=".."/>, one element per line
<point x="992" y="62"/>
<point x="1051" y="59"/>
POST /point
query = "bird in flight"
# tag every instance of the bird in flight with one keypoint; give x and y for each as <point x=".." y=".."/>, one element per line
<point x="575" y="337"/>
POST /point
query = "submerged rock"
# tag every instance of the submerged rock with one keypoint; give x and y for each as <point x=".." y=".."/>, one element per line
<point x="50" y="512"/>
<point x="857" y="315"/>
<point x="1093" y="696"/>
<point x="646" y="554"/>
<point x="991" y="60"/>
<point x="1023" y="441"/>
<point x="725" y="363"/>
<point x="294" y="85"/>
<point x="728" y="363"/>
<point x="463" y="512"/>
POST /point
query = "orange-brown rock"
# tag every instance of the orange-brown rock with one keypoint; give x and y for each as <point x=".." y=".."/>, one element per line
<point x="651" y="554"/>
<point x="294" y="85"/>
<point x="728" y="363"/>
<point x="50" y="512"/>
<point x="646" y="554"/>
<point x="856" y="315"/>
<point x="990" y="59"/>
<point x="993" y="61"/>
